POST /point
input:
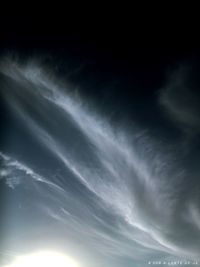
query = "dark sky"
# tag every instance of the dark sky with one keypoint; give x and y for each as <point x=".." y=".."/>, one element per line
<point x="122" y="42"/>
<point x="127" y="48"/>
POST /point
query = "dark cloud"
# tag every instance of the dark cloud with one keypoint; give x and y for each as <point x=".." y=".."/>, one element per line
<point x="180" y="98"/>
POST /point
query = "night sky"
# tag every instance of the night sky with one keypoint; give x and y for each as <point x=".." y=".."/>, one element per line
<point x="99" y="141"/>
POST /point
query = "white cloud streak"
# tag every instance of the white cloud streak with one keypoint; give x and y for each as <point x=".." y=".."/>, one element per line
<point x="137" y="191"/>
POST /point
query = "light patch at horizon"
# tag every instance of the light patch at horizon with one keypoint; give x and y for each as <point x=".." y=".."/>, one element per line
<point x="44" y="258"/>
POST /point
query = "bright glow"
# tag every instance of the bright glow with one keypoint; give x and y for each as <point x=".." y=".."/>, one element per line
<point x="43" y="259"/>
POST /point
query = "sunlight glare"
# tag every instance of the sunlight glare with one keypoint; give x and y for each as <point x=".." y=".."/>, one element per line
<point x="42" y="259"/>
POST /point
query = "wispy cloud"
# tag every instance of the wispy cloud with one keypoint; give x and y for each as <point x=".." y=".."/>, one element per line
<point x="129" y="188"/>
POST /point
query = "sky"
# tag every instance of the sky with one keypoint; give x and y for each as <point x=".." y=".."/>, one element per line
<point x="99" y="147"/>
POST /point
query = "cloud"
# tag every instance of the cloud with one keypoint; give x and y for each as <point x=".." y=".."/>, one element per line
<point x="180" y="100"/>
<point x="118" y="190"/>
